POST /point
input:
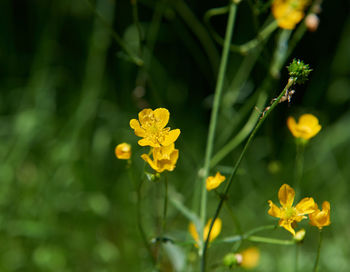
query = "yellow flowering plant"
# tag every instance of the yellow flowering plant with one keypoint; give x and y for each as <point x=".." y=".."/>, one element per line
<point x="320" y="218"/>
<point x="123" y="151"/>
<point x="213" y="182"/>
<point x="151" y="127"/>
<point x="306" y="127"/>
<point x="290" y="215"/>
<point x="288" y="13"/>
<point x="214" y="233"/>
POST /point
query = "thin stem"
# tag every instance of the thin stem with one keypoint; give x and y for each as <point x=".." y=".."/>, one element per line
<point x="165" y="207"/>
<point x="135" y="14"/>
<point x="318" y="252"/>
<point x="299" y="165"/>
<point x="235" y="168"/>
<point x="214" y="113"/>
<point x="267" y="240"/>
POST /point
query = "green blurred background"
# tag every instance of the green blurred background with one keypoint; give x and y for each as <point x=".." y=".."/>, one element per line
<point x="68" y="91"/>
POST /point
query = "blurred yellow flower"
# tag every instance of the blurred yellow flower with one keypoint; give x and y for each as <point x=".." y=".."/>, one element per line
<point x="164" y="158"/>
<point x="123" y="151"/>
<point x="151" y="127"/>
<point x="248" y="258"/>
<point x="319" y="218"/>
<point x="213" y="234"/>
<point x="288" y="214"/>
<point x="300" y="235"/>
<point x="288" y="12"/>
<point x="214" y="182"/>
<point x="306" y="128"/>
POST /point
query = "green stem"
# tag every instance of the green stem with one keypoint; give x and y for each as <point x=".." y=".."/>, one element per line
<point x="267" y="240"/>
<point x="214" y="113"/>
<point x="235" y="168"/>
<point x="165" y="209"/>
<point x="318" y="252"/>
<point x="299" y="165"/>
<point x="135" y="14"/>
<point x="297" y="249"/>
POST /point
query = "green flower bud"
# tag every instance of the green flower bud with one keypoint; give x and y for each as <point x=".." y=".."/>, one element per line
<point x="298" y="71"/>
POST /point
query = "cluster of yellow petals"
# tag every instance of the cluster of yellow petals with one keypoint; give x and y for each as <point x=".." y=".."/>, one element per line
<point x="123" y="151"/>
<point x="319" y="218"/>
<point x="288" y="214"/>
<point x="213" y="182"/>
<point x="213" y="234"/>
<point x="164" y="158"/>
<point x="151" y="126"/>
<point x="306" y="128"/>
<point x="288" y="13"/>
<point x="248" y="258"/>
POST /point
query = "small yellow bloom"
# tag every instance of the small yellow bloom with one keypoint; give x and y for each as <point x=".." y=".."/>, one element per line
<point x="213" y="234"/>
<point x="319" y="218"/>
<point x="214" y="182"/>
<point x="151" y="127"/>
<point x="164" y="158"/>
<point x="248" y="258"/>
<point x="306" y="128"/>
<point x="123" y="151"/>
<point x="288" y="214"/>
<point x="300" y="235"/>
<point x="288" y="12"/>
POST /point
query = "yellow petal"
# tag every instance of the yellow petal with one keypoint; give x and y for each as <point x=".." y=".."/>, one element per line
<point x="148" y="142"/>
<point x="146" y="117"/>
<point x="215" y="230"/>
<point x="292" y="126"/>
<point x="306" y="206"/>
<point x="161" y="117"/>
<point x="193" y="231"/>
<point x="310" y="124"/>
<point x="286" y="196"/>
<point x="274" y="210"/>
<point x="250" y="257"/>
<point x="214" y="182"/>
<point x="287" y="225"/>
<point x="153" y="164"/>
<point x="123" y="151"/>
<point x="135" y="125"/>
<point x="319" y="218"/>
<point x="171" y="137"/>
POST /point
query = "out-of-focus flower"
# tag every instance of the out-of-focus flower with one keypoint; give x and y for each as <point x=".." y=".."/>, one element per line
<point x="288" y="214"/>
<point x="306" y="128"/>
<point x="299" y="235"/>
<point x="319" y="218"/>
<point x="213" y="234"/>
<point x="151" y="127"/>
<point x="312" y="21"/>
<point x="214" y="182"/>
<point x="248" y="258"/>
<point x="288" y="12"/>
<point x="123" y="151"/>
<point x="164" y="158"/>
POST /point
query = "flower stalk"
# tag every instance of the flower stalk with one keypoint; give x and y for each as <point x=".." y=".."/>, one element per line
<point x="318" y="251"/>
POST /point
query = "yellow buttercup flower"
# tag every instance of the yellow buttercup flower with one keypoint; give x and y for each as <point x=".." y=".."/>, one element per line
<point x="214" y="182"/>
<point x="123" y="151"/>
<point x="151" y="127"/>
<point x="319" y="218"/>
<point x="164" y="158"/>
<point x="288" y="12"/>
<point x="213" y="234"/>
<point x="248" y="258"/>
<point x="306" y="128"/>
<point x="288" y="214"/>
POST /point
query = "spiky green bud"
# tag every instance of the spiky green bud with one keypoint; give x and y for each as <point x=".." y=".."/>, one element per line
<point x="298" y="71"/>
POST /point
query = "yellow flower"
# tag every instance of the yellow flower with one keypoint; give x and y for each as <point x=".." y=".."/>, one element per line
<point x="214" y="182"/>
<point x="288" y="214"/>
<point x="306" y="128"/>
<point x="164" y="158"/>
<point x="213" y="234"/>
<point x="248" y="258"/>
<point x="319" y="218"/>
<point x="288" y="12"/>
<point x="123" y="151"/>
<point x="151" y="127"/>
<point x="300" y="235"/>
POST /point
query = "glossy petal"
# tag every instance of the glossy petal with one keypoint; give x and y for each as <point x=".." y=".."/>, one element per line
<point x="171" y="137"/>
<point x="161" y="116"/>
<point x="286" y="195"/>
<point x="214" y="182"/>
<point x="215" y="230"/>
<point x="146" y="117"/>
<point x="306" y="206"/>
<point x="306" y="128"/>
<point x="292" y="126"/>
<point x="135" y="125"/>
<point x="123" y="151"/>
<point x="274" y="210"/>
<point x="147" y="142"/>
<point x="287" y="225"/>
<point x="319" y="218"/>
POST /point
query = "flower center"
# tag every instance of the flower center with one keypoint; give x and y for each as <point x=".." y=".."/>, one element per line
<point x="290" y="212"/>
